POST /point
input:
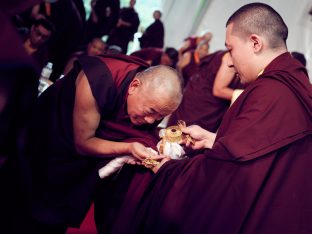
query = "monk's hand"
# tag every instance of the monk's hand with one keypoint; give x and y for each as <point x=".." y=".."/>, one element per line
<point x="161" y="163"/>
<point x="202" y="138"/>
<point x="141" y="152"/>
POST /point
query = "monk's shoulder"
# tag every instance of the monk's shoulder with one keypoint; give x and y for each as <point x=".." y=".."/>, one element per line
<point x="272" y="87"/>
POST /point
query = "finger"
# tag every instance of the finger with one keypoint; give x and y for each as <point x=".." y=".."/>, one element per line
<point x="158" y="157"/>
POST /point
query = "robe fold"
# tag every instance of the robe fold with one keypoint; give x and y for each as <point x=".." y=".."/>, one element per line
<point x="255" y="179"/>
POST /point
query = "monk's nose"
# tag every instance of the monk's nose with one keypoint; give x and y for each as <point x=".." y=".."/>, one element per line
<point x="149" y="119"/>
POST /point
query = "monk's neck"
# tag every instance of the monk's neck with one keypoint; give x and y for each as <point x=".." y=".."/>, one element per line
<point x="267" y="58"/>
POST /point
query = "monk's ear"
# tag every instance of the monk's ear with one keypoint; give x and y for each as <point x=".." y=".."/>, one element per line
<point x="256" y="42"/>
<point x="134" y="85"/>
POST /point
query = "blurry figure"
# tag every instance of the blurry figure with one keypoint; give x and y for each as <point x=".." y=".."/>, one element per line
<point x="95" y="47"/>
<point x="154" y="34"/>
<point x="189" y="63"/>
<point x="35" y="41"/>
<point x="300" y="57"/>
<point x="104" y="17"/>
<point x="208" y="94"/>
<point x="126" y="27"/>
<point x="156" y="56"/>
<point x="192" y="42"/>
<point x="18" y="93"/>
<point x="68" y="19"/>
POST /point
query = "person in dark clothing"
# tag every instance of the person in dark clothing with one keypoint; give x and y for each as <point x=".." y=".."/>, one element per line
<point x="103" y="18"/>
<point x="18" y="92"/>
<point x="300" y="57"/>
<point x="35" y="42"/>
<point x="154" y="34"/>
<point x="105" y="107"/>
<point x="126" y="27"/>
<point x="255" y="172"/>
<point x="69" y="26"/>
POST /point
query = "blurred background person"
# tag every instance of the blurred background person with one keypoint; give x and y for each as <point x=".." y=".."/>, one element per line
<point x="95" y="47"/>
<point x="156" y="56"/>
<point x="126" y="27"/>
<point x="103" y="18"/>
<point x="300" y="57"/>
<point x="35" y="40"/>
<point x="154" y="34"/>
<point x="188" y="64"/>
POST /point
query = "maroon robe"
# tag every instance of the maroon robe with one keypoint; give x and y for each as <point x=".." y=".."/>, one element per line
<point x="64" y="181"/>
<point x="149" y="54"/>
<point x="199" y="106"/>
<point x="255" y="179"/>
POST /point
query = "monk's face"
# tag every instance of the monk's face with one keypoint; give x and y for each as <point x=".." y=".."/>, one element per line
<point x="242" y="55"/>
<point x="143" y="107"/>
<point x="39" y="35"/>
<point x="96" y="47"/>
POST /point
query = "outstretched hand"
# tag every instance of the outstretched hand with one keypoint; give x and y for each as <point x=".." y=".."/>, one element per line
<point x="202" y="138"/>
<point x="141" y="152"/>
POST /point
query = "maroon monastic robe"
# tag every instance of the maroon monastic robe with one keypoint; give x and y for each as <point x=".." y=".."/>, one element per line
<point x="199" y="106"/>
<point x="64" y="181"/>
<point x="255" y="179"/>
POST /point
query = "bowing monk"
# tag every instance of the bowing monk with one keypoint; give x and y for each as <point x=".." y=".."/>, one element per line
<point x="255" y="174"/>
<point x="105" y="107"/>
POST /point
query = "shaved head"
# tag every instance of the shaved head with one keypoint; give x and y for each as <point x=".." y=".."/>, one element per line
<point x="260" y="19"/>
<point x="162" y="82"/>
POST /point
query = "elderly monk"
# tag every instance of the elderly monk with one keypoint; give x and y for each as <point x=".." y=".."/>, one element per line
<point x="106" y="106"/>
<point x="256" y="178"/>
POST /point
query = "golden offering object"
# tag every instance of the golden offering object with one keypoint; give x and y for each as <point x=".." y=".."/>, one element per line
<point x="173" y="134"/>
<point x="150" y="163"/>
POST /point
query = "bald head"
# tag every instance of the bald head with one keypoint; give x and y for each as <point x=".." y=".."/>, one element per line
<point x="164" y="83"/>
<point x="261" y="19"/>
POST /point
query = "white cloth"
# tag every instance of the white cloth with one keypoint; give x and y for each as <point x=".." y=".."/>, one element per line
<point x="117" y="163"/>
<point x="113" y="166"/>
